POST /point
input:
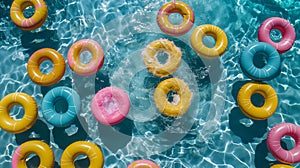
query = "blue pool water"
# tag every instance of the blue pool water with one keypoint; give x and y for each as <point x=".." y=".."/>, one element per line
<point x="213" y="133"/>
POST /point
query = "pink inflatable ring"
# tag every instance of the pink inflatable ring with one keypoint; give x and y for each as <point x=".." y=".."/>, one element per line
<point x="273" y="142"/>
<point x="110" y="105"/>
<point x="286" y="29"/>
<point x="74" y="57"/>
<point x="143" y="164"/>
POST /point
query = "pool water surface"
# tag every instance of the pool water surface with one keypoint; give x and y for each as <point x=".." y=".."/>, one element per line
<point x="214" y="133"/>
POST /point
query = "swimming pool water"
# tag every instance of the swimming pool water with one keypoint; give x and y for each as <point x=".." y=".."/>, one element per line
<point x="213" y="133"/>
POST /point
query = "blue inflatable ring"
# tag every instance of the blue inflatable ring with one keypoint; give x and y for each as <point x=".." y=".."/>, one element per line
<point x="48" y="108"/>
<point x="269" y="71"/>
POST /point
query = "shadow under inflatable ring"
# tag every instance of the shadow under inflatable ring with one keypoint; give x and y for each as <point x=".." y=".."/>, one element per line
<point x="34" y="62"/>
<point x="209" y="30"/>
<point x="151" y="60"/>
<point x="180" y="104"/>
<point x="48" y="108"/>
<point x="251" y="111"/>
<point x="179" y="29"/>
<point x="89" y="149"/>
<point x="35" y="21"/>
<point x="40" y="148"/>
<point x="269" y="71"/>
<point x="30" y="112"/>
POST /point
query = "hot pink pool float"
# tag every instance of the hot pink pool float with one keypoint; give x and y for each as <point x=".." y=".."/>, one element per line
<point x="273" y="142"/>
<point x="110" y="105"/>
<point x="286" y="29"/>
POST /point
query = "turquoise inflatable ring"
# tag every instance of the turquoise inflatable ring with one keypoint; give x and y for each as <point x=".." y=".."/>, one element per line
<point x="269" y="70"/>
<point x="48" y="106"/>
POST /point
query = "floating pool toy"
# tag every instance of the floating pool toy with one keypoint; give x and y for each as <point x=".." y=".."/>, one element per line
<point x="89" y="149"/>
<point x="143" y="164"/>
<point x="48" y="106"/>
<point x="181" y="101"/>
<point x="110" y="105"/>
<point x="30" y="112"/>
<point x="252" y="111"/>
<point x="281" y="166"/>
<point x="74" y="57"/>
<point x="273" y="142"/>
<point x="35" y="21"/>
<point x="268" y="71"/>
<point x="151" y="60"/>
<point x="175" y="7"/>
<point x="34" y="62"/>
<point x="41" y="149"/>
<point x="209" y="30"/>
<point x="286" y="29"/>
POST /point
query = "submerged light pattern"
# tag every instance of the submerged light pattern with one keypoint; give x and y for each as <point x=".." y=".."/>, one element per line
<point x="214" y="133"/>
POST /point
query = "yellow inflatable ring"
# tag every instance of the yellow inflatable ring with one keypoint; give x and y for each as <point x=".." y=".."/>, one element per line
<point x="281" y="166"/>
<point x="251" y="111"/>
<point x="41" y="149"/>
<point x="82" y="147"/>
<point x="152" y="63"/>
<point x="30" y="112"/>
<point x="209" y="30"/>
<point x="181" y="102"/>
<point x="35" y="21"/>
<point x="34" y="62"/>
<point x="179" y="7"/>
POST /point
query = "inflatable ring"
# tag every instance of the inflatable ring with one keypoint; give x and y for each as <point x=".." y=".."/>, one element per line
<point x="97" y="57"/>
<point x="281" y="166"/>
<point x="209" y="30"/>
<point x="143" y="163"/>
<point x="79" y="148"/>
<point x="35" y="21"/>
<point x="34" y="62"/>
<point x="40" y="148"/>
<point x="110" y="105"/>
<point x="48" y="106"/>
<point x="151" y="60"/>
<point x="268" y="71"/>
<point x="175" y="7"/>
<point x="181" y="102"/>
<point x="286" y="29"/>
<point x="251" y="111"/>
<point x="274" y="146"/>
<point x="30" y="112"/>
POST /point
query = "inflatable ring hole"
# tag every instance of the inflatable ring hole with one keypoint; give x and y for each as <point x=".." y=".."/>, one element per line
<point x="276" y="35"/>
<point x="85" y="57"/>
<point x="175" y="18"/>
<point x="257" y="100"/>
<point x="82" y="158"/>
<point x="60" y="104"/>
<point x="17" y="112"/>
<point x="173" y="97"/>
<point x="28" y="9"/>
<point x="209" y="41"/>
<point x="32" y="160"/>
<point x="260" y="59"/>
<point x="46" y="67"/>
<point x="162" y="57"/>
<point x="287" y="142"/>
<point x="111" y="105"/>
